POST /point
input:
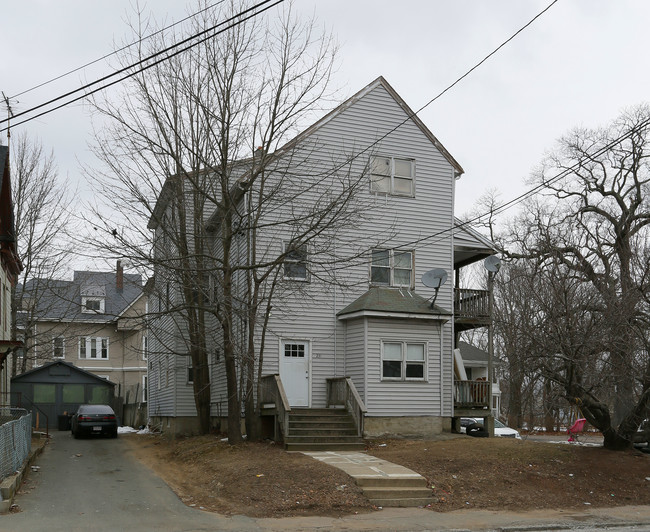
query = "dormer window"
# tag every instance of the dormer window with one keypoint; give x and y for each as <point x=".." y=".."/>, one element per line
<point x="92" y="298"/>
<point x="92" y="305"/>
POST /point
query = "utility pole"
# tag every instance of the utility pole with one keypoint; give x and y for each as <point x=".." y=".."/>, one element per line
<point x="10" y="115"/>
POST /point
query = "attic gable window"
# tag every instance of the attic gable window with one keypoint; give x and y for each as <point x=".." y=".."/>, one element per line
<point x="391" y="175"/>
<point x="92" y="305"/>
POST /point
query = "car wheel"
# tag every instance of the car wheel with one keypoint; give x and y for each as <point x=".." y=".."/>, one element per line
<point x="76" y="435"/>
<point x="476" y="431"/>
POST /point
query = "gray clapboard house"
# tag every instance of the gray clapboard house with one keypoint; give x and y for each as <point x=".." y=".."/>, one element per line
<point x="378" y="342"/>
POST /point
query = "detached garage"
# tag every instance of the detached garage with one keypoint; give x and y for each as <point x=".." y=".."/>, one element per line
<point x="57" y="388"/>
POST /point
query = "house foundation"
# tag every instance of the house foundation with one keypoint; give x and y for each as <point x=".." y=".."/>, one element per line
<point x="405" y="426"/>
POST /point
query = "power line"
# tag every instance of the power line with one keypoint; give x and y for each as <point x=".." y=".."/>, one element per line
<point x="117" y="51"/>
<point x="147" y="66"/>
<point x="536" y="189"/>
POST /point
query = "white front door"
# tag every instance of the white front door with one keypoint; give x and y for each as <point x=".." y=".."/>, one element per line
<point x="294" y="371"/>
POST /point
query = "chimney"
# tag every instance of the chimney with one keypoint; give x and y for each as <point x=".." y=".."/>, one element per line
<point x="119" y="277"/>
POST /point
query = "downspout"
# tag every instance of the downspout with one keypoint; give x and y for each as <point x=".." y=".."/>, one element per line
<point x="442" y="374"/>
<point x="335" y="323"/>
<point x="456" y="284"/>
<point x="365" y="360"/>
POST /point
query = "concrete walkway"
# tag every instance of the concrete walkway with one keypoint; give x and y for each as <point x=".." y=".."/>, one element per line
<point x="383" y="483"/>
<point x="362" y="465"/>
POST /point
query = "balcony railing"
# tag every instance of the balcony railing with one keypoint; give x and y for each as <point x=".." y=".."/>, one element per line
<point x="471" y="394"/>
<point x="471" y="303"/>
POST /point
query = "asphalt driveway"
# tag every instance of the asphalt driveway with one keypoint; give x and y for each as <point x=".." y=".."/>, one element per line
<point x="96" y="484"/>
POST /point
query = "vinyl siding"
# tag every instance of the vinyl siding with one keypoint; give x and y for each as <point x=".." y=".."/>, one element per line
<point x="355" y="355"/>
<point x="392" y="398"/>
<point x="309" y="310"/>
<point x="320" y="163"/>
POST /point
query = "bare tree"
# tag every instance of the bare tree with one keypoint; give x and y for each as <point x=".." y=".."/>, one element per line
<point x="589" y="236"/>
<point x="195" y="145"/>
<point x="42" y="221"/>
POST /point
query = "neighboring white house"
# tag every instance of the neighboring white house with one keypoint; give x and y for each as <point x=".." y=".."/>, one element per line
<point x="385" y="330"/>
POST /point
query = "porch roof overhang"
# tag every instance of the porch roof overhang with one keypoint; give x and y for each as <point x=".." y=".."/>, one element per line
<point x="398" y="303"/>
<point x="469" y="245"/>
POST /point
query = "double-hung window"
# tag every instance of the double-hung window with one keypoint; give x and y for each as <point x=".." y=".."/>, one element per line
<point x="58" y="347"/>
<point x="295" y="262"/>
<point x="94" y="348"/>
<point x="391" y="268"/>
<point x="392" y="175"/>
<point x="403" y="361"/>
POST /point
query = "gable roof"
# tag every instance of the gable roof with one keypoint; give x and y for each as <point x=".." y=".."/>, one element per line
<point x="61" y="300"/>
<point x="471" y="353"/>
<point x="167" y="189"/>
<point x="411" y="115"/>
<point x="51" y="368"/>
<point x="393" y="302"/>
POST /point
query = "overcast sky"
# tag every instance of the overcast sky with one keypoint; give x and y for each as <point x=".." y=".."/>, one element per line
<point x="580" y="64"/>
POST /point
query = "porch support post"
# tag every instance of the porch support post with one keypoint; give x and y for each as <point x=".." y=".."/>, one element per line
<point x="489" y="422"/>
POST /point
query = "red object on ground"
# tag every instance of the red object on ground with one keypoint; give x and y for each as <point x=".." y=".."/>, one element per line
<point x="576" y="428"/>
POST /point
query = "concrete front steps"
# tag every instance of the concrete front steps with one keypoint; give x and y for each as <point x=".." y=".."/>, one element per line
<point x="322" y="429"/>
<point x="384" y="483"/>
<point x="396" y="492"/>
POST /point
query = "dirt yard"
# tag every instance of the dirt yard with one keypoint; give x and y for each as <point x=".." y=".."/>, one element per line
<point x="262" y="480"/>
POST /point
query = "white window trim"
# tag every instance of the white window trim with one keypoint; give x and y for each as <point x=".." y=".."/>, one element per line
<point x="285" y="277"/>
<point x="392" y="192"/>
<point x="391" y="268"/>
<point x="98" y="339"/>
<point x="145" y="347"/>
<point x="404" y="361"/>
<point x="54" y="356"/>
<point x="84" y="301"/>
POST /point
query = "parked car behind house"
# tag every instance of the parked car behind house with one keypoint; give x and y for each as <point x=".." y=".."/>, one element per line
<point x="94" y="419"/>
<point x="500" y="429"/>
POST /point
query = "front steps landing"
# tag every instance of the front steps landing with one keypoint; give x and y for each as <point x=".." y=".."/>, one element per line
<point x="384" y="483"/>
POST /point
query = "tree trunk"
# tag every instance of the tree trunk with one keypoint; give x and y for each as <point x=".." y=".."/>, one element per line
<point x="548" y="407"/>
<point x="201" y="386"/>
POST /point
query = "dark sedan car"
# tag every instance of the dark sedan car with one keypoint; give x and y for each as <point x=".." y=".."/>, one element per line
<point x="94" y="419"/>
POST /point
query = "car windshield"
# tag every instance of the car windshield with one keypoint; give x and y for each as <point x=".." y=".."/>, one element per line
<point x="498" y="424"/>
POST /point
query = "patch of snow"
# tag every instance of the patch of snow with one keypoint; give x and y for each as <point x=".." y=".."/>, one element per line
<point x="125" y="430"/>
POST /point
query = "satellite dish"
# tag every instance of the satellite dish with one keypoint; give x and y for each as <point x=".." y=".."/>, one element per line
<point x="492" y="263"/>
<point x="434" y="278"/>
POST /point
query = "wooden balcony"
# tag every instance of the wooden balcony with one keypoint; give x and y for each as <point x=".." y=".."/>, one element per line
<point x="471" y="308"/>
<point x="471" y="394"/>
<point x="471" y="398"/>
